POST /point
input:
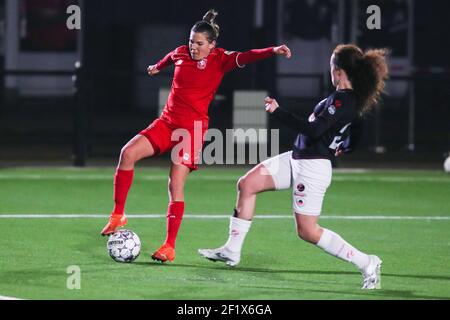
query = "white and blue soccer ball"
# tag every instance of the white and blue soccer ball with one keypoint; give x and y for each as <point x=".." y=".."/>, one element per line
<point x="447" y="164"/>
<point x="124" y="246"/>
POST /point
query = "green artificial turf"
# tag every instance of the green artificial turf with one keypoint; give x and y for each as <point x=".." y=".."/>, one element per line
<point x="35" y="253"/>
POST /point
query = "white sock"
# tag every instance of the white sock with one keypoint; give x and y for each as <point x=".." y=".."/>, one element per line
<point x="238" y="231"/>
<point x="333" y="244"/>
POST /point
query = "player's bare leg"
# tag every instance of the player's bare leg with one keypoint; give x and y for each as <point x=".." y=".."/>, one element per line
<point x="136" y="149"/>
<point x="255" y="181"/>
<point x="309" y="230"/>
<point x="177" y="179"/>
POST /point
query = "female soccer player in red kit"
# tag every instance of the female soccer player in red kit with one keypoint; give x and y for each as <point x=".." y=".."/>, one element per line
<point x="199" y="69"/>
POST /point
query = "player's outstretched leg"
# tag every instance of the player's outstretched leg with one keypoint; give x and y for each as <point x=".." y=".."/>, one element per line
<point x="257" y="180"/>
<point x="230" y="252"/>
<point x="137" y="148"/>
<point x="333" y="244"/>
<point x="368" y="265"/>
<point x="122" y="183"/>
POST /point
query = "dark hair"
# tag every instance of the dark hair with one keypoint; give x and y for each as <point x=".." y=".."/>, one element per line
<point x="208" y="25"/>
<point x="367" y="71"/>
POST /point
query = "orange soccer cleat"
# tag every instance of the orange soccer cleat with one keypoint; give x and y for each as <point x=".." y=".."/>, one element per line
<point x="165" y="253"/>
<point x="115" y="221"/>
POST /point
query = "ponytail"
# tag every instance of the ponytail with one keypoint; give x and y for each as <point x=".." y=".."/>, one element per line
<point x="367" y="71"/>
<point x="370" y="78"/>
<point x="208" y="25"/>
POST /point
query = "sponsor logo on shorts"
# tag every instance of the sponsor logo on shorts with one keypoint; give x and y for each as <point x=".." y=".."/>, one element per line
<point x="332" y="110"/>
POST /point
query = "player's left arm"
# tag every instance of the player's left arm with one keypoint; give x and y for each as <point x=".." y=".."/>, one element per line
<point x="236" y="59"/>
<point x="163" y="63"/>
<point x="258" y="54"/>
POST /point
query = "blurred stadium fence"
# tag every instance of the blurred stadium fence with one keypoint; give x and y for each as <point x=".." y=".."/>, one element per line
<point x="88" y="123"/>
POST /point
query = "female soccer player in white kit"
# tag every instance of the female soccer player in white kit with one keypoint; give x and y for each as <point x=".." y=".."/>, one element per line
<point x="359" y="78"/>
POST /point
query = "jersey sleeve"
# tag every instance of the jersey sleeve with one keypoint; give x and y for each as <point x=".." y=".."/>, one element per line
<point x="235" y="59"/>
<point x="323" y="121"/>
<point x="167" y="60"/>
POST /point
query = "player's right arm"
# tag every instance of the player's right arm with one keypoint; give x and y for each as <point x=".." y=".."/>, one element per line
<point x="152" y="70"/>
<point x="313" y="129"/>
<point x="163" y="63"/>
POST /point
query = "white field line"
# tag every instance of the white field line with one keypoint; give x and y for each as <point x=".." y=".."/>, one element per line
<point x="217" y="216"/>
<point x="9" y="298"/>
<point x="109" y="177"/>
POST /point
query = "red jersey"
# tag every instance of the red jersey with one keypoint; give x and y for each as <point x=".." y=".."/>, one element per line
<point x="195" y="82"/>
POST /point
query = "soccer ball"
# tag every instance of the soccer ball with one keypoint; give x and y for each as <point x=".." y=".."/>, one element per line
<point x="447" y="165"/>
<point x="124" y="246"/>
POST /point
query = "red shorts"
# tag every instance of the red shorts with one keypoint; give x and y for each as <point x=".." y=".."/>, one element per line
<point x="186" y="144"/>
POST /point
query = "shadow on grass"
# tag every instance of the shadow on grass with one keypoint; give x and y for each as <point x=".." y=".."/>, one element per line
<point x="266" y="270"/>
<point x="36" y="276"/>
<point x="364" y="294"/>
<point x="395" y="294"/>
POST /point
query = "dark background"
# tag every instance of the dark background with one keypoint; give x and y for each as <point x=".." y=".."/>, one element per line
<point x="106" y="112"/>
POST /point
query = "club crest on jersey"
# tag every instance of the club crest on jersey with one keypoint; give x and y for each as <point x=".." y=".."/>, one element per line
<point x="201" y="64"/>
<point x="331" y="109"/>
<point x="178" y="62"/>
<point x="337" y="103"/>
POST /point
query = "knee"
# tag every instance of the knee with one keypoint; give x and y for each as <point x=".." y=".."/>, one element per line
<point x="240" y="184"/>
<point x="127" y="155"/>
<point x="244" y="185"/>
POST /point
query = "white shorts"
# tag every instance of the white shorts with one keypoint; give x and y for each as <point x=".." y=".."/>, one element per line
<point x="308" y="178"/>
